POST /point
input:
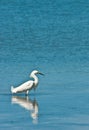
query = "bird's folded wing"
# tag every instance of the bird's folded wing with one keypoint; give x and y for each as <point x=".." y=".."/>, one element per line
<point x="24" y="87"/>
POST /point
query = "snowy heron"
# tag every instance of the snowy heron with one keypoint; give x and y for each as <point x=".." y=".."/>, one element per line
<point x="25" y="87"/>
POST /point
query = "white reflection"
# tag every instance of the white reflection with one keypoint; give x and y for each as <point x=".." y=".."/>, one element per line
<point x="28" y="104"/>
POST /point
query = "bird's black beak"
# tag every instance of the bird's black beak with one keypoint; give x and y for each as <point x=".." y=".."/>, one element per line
<point x="41" y="73"/>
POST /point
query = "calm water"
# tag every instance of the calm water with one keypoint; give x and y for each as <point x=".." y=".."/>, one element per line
<point x="53" y="37"/>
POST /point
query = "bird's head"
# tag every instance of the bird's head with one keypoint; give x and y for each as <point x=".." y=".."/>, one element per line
<point x="35" y="72"/>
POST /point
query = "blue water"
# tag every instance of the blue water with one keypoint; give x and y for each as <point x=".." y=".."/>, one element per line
<point x="52" y="37"/>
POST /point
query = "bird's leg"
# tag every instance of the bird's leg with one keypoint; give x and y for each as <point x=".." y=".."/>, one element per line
<point x="27" y="98"/>
<point x="27" y="92"/>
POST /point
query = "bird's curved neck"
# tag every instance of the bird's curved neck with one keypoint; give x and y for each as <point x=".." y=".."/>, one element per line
<point x="35" y="79"/>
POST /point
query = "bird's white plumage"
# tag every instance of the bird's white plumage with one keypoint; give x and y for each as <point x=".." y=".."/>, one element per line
<point x="25" y="87"/>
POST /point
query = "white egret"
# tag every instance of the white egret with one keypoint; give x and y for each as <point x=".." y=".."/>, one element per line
<point x="25" y="87"/>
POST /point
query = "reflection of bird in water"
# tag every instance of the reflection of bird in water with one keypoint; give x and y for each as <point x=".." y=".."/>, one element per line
<point x="25" y="87"/>
<point x="28" y="104"/>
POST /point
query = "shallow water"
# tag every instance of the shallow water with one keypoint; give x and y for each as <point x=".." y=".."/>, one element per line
<point x="50" y="36"/>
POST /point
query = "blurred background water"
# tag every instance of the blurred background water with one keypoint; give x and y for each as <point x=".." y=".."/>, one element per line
<point x="52" y="37"/>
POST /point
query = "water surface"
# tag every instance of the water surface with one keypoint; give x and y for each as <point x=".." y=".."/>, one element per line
<point x="53" y="37"/>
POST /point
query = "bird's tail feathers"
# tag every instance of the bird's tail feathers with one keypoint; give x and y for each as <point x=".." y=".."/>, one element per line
<point x="12" y="88"/>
